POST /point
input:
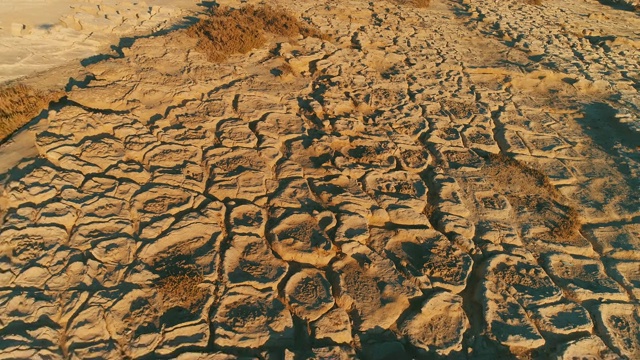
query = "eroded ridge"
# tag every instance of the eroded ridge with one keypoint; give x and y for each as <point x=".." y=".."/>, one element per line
<point x="403" y="188"/>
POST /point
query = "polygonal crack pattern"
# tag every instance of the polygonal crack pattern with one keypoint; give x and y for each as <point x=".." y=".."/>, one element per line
<point x="399" y="192"/>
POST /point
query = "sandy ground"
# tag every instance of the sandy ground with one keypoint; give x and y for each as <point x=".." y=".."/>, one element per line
<point x="36" y="35"/>
<point x="453" y="182"/>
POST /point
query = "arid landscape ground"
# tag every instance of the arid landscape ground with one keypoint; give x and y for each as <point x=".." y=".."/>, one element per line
<point x="320" y="179"/>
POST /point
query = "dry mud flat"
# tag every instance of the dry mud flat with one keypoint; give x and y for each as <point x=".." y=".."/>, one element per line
<point x="459" y="181"/>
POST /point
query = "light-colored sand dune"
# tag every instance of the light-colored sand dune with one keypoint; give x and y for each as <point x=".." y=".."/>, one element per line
<point x="459" y="181"/>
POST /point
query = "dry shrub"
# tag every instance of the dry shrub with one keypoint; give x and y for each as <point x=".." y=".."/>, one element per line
<point x="182" y="289"/>
<point x="459" y="109"/>
<point x="568" y="226"/>
<point x="631" y="5"/>
<point x="414" y="3"/>
<point x="519" y="177"/>
<point x="228" y="31"/>
<point x="534" y="2"/>
<point x="279" y="22"/>
<point x="19" y="104"/>
<point x="530" y="189"/>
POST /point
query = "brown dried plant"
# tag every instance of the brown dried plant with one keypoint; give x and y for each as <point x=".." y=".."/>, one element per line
<point x="182" y="288"/>
<point x="529" y="188"/>
<point x="414" y="3"/>
<point x="228" y="31"/>
<point x="19" y="104"/>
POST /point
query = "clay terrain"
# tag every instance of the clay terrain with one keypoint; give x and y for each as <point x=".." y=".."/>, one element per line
<point x="453" y="179"/>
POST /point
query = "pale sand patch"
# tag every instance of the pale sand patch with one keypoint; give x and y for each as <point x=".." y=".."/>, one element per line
<point x="37" y="35"/>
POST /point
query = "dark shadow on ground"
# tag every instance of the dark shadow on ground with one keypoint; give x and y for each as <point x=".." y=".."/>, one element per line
<point x="619" y="5"/>
<point x="601" y="124"/>
<point x="616" y="139"/>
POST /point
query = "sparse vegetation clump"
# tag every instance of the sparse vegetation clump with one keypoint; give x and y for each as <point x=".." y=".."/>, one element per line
<point x="568" y="226"/>
<point x="530" y="189"/>
<point x="526" y="180"/>
<point x="227" y="31"/>
<point x="414" y="3"/>
<point x="182" y="289"/>
<point x="632" y="5"/>
<point x="19" y="104"/>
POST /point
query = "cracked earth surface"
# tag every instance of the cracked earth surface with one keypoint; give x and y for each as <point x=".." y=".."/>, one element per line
<point x="39" y="35"/>
<point x="459" y="181"/>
